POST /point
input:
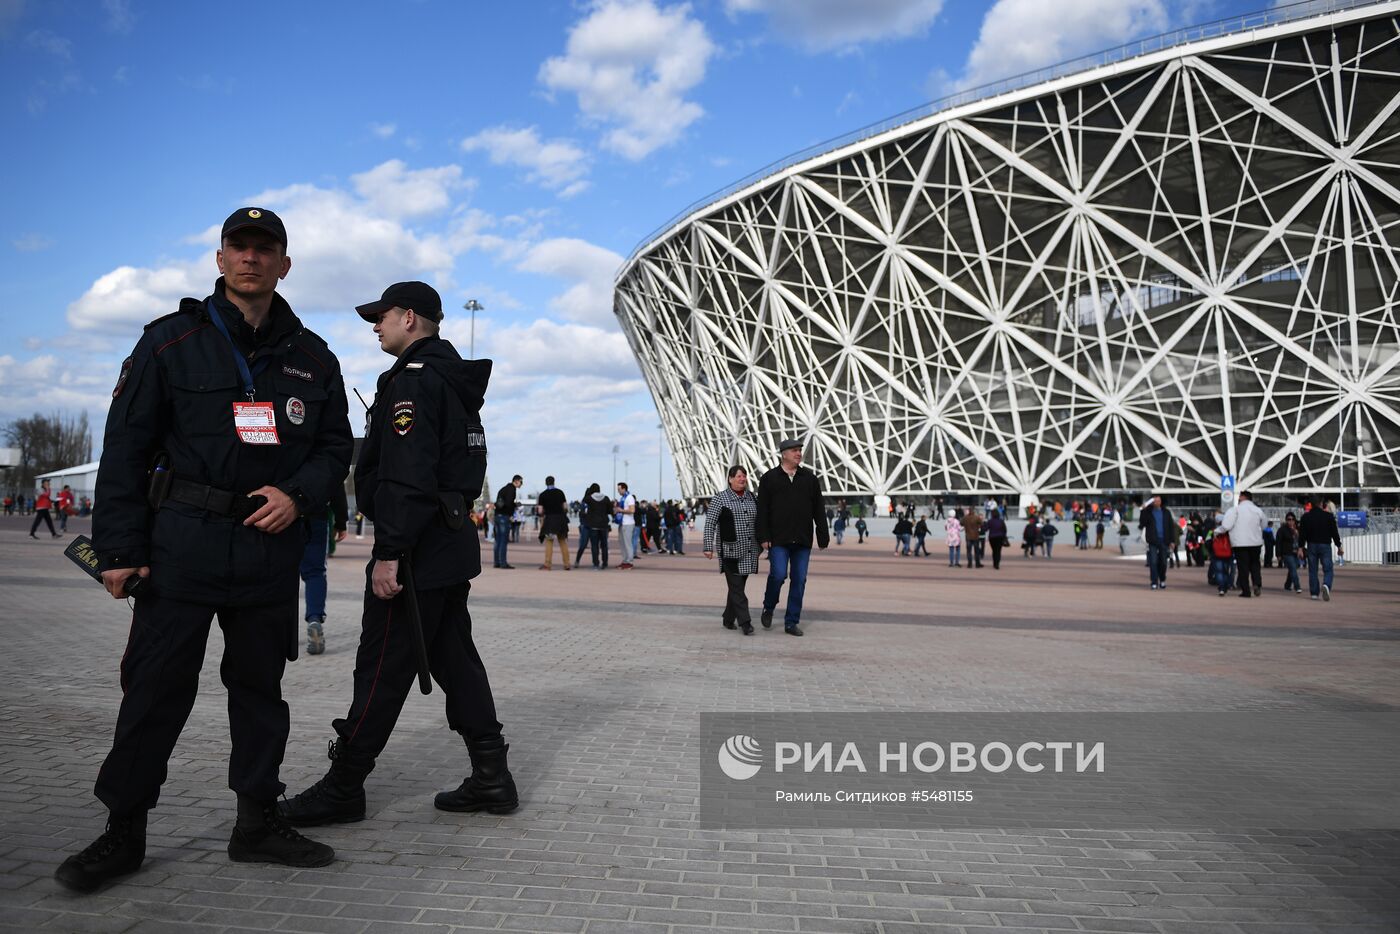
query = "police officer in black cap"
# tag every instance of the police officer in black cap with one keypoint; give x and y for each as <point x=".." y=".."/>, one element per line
<point x="227" y="421"/>
<point x="422" y="464"/>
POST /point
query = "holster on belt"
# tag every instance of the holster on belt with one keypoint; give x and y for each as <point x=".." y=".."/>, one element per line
<point x="236" y="506"/>
<point x="159" y="480"/>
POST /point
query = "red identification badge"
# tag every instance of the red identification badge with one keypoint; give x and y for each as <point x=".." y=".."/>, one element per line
<point x="255" y="422"/>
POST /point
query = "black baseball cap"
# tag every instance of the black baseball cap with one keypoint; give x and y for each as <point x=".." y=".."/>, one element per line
<point x="422" y="298"/>
<point x="261" y="218"/>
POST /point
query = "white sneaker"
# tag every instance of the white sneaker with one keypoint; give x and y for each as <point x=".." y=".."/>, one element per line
<point x="1326" y="593"/>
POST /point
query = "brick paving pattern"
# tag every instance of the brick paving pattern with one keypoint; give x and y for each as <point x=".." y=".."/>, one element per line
<point x="600" y="678"/>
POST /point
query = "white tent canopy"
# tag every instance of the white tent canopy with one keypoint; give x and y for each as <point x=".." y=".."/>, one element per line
<point x="82" y="478"/>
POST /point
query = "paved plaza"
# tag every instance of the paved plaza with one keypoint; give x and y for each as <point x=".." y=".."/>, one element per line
<point x="600" y="679"/>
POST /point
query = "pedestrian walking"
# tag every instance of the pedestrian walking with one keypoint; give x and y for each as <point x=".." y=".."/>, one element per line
<point x="730" y="534"/>
<point x="626" y="507"/>
<point x="322" y="526"/>
<point x="972" y="536"/>
<point x="952" y="535"/>
<point x="1317" y="532"/>
<point x="903" y="528"/>
<point x="790" y="510"/>
<point x="228" y="421"/>
<point x="422" y="463"/>
<point x="1289" y="550"/>
<point x="505" y="506"/>
<point x="43" y="502"/>
<point x="920" y="535"/>
<point x="1245" y="523"/>
<point x="598" y="519"/>
<point x="65" y="508"/>
<point x="554" y="524"/>
<point x="1222" y="560"/>
<point x="996" y="537"/>
<point x="1156" y="524"/>
<point x="1048" y="531"/>
<point x="861" y="530"/>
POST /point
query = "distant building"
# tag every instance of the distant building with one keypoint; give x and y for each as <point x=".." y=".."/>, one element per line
<point x="1144" y="276"/>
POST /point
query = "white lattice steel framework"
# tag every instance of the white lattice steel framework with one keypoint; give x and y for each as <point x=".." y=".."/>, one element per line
<point x="1142" y="277"/>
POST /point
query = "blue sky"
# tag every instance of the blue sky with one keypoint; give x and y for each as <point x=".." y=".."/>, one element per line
<point x="510" y="152"/>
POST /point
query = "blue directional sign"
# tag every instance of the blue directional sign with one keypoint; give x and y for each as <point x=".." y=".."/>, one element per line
<point x="1351" y="519"/>
<point x="1227" y="483"/>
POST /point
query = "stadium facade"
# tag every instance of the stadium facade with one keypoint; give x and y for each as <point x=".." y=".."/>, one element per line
<point x="1145" y="276"/>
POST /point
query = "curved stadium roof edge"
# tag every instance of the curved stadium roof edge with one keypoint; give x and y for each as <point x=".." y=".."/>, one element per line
<point x="1305" y="19"/>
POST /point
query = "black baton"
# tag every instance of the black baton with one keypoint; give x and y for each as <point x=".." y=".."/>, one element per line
<point x="415" y="625"/>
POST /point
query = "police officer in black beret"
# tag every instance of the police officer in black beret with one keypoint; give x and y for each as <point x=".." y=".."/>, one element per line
<point x="227" y="421"/>
<point x="421" y="466"/>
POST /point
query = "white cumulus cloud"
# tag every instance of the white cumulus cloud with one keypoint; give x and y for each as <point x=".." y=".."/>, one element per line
<point x="383" y="130"/>
<point x="556" y="164"/>
<point x="552" y="348"/>
<point x="129" y="295"/>
<point x="631" y="64"/>
<point x="344" y="247"/>
<point x="395" y="190"/>
<point x="1022" y="35"/>
<point x="821" y="25"/>
<point x="589" y="267"/>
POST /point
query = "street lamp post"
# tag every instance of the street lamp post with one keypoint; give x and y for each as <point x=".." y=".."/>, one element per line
<point x="616" y="449"/>
<point x="473" y="306"/>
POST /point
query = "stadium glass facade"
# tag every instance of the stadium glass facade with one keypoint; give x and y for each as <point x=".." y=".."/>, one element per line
<point x="1142" y="277"/>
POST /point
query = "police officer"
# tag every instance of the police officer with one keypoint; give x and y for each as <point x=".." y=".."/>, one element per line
<point x="227" y="421"/>
<point x="422" y="464"/>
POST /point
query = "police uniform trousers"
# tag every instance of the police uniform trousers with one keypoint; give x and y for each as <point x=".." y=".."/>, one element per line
<point x="160" y="678"/>
<point x="385" y="669"/>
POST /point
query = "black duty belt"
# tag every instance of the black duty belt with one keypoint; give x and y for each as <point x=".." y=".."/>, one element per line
<point x="211" y="499"/>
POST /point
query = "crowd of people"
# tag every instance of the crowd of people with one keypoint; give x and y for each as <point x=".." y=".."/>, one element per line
<point x="1235" y="544"/>
<point x="643" y="527"/>
<point x="47" y="507"/>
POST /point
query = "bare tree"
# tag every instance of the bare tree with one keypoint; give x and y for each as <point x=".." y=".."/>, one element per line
<point x="48" y="442"/>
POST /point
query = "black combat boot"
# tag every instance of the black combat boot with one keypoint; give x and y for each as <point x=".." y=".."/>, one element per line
<point x="262" y="836"/>
<point x="118" y="852"/>
<point x="489" y="787"/>
<point x="339" y="798"/>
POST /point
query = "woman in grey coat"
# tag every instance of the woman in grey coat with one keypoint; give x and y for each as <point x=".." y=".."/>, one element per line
<point x="729" y="529"/>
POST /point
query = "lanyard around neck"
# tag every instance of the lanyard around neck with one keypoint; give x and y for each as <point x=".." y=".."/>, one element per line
<point x="244" y="371"/>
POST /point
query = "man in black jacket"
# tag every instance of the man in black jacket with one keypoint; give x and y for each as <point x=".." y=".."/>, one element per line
<point x="789" y="508"/>
<point x="228" y="422"/>
<point x="1317" y="532"/>
<point x="423" y="460"/>
<point x="505" y="513"/>
<point x="1157" y="529"/>
<point x="554" y="523"/>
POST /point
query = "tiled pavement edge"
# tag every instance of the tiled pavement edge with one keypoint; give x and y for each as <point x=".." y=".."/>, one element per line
<point x="600" y="679"/>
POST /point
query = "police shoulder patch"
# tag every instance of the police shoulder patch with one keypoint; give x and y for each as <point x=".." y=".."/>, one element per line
<point x="402" y="417"/>
<point x="122" y="377"/>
